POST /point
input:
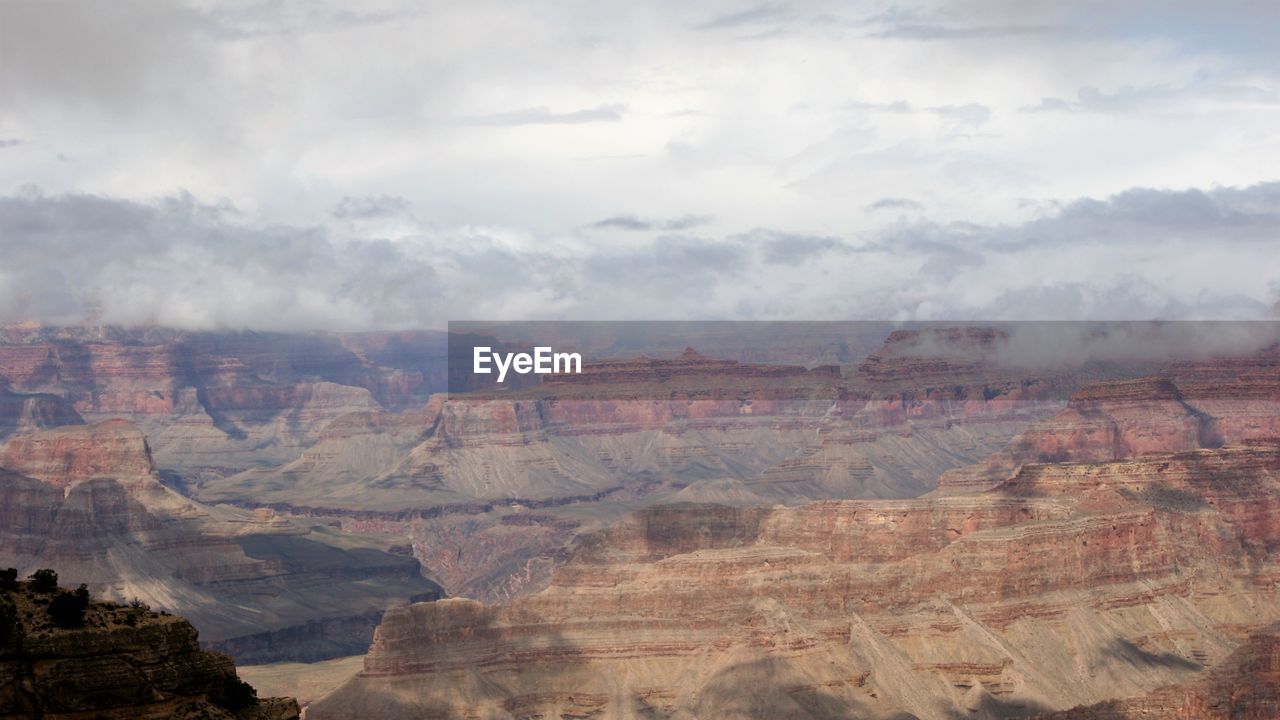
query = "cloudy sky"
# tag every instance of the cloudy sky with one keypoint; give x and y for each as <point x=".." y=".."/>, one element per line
<point x="393" y="164"/>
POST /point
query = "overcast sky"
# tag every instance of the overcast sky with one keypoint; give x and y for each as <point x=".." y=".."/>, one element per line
<point x="388" y="164"/>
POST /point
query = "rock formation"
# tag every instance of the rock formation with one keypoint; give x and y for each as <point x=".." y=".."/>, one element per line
<point x="464" y="476"/>
<point x="1072" y="584"/>
<point x="213" y="402"/>
<point x="26" y="412"/>
<point x="88" y="500"/>
<point x="1244" y="686"/>
<point x="115" y="662"/>
<point x="1184" y="407"/>
<point x="1140" y="549"/>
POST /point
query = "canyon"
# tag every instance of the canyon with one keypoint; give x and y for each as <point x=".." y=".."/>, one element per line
<point x="87" y="499"/>
<point x="1128" y="551"/>
<point x="490" y="486"/>
<point x="915" y="526"/>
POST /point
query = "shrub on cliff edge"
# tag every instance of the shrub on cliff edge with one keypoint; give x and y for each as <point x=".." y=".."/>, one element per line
<point x="44" y="580"/>
<point x="68" y="608"/>
<point x="234" y="694"/>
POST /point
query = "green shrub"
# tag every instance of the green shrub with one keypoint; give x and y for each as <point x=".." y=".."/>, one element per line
<point x="9" y="579"/>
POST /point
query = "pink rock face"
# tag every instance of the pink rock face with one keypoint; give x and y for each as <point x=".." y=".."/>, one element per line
<point x="72" y="454"/>
<point x="1226" y="401"/>
<point x="212" y="403"/>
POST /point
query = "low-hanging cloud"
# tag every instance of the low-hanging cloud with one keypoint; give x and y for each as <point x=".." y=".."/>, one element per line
<point x="1143" y="253"/>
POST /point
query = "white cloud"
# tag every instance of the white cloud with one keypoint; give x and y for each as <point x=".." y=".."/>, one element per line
<point x="1140" y="254"/>
<point x="492" y="143"/>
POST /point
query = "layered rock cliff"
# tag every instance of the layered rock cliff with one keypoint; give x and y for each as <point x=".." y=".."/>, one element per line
<point x="464" y="476"/>
<point x="88" y="500"/>
<point x="1244" y="686"/>
<point x="1183" y="407"/>
<point x="1072" y="584"/>
<point x="111" y="662"/>
<point x="27" y="412"/>
<point x="215" y="402"/>
<point x="1130" y="544"/>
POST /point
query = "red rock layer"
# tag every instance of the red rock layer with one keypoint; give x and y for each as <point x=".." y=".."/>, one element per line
<point x="1069" y="584"/>
<point x="63" y="456"/>
<point x="214" y="402"/>
<point x="1226" y="401"/>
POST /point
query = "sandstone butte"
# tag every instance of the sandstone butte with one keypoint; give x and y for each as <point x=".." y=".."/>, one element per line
<point x="88" y="500"/>
<point x="1131" y="547"/>
<point x="126" y="663"/>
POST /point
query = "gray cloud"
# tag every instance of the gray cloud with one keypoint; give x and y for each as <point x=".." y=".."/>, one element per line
<point x="348" y="137"/>
<point x="178" y="261"/>
<point x="1130" y="99"/>
<point x="9" y="142"/>
<point x="372" y="207"/>
<point x="890" y="203"/>
<point x="766" y="13"/>
<point x="631" y="222"/>
<point x="101" y="55"/>
<point x="544" y="116"/>
<point x="779" y="248"/>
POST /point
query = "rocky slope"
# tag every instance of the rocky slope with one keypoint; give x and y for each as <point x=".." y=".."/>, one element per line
<point x="123" y="663"/>
<point x="1069" y="585"/>
<point x="1140" y="550"/>
<point x="1244" y="686"/>
<point x="88" y="500"/>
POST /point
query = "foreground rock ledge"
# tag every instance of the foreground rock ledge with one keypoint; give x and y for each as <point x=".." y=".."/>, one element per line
<point x="126" y="663"/>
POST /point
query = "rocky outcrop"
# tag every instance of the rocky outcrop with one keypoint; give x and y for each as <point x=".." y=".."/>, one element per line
<point x="1070" y="584"/>
<point x="214" y="402"/>
<point x="64" y="456"/>
<point x="88" y="500"/>
<point x="1244" y="686"/>
<point x="1185" y="407"/>
<point x="115" y="663"/>
<point x="27" y="412"/>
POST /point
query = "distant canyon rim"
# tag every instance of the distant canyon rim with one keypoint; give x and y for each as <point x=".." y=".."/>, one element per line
<point x="855" y="521"/>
